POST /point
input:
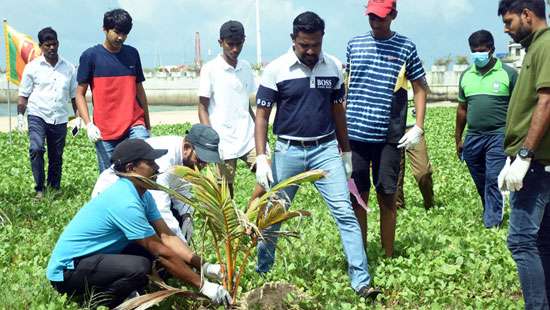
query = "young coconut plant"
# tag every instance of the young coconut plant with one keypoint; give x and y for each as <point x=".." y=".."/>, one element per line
<point x="235" y="233"/>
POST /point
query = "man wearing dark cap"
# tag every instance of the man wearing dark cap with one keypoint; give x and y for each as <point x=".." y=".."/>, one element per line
<point x="196" y="149"/>
<point x="226" y="84"/>
<point x="376" y="116"/>
<point x="109" y="245"/>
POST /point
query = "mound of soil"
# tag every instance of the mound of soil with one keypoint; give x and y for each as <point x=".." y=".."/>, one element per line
<point x="274" y="296"/>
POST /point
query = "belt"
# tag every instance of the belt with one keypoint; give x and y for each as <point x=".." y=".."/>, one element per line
<point x="309" y="143"/>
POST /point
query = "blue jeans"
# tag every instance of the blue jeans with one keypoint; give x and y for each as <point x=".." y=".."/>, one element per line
<point x="484" y="156"/>
<point x="104" y="148"/>
<point x="291" y="160"/>
<point x="529" y="236"/>
<point x="54" y="136"/>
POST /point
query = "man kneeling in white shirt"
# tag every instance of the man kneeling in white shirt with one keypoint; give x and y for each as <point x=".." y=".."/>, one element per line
<point x="198" y="148"/>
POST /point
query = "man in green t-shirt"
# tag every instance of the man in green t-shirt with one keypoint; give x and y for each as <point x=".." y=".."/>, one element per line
<point x="527" y="143"/>
<point x="484" y="93"/>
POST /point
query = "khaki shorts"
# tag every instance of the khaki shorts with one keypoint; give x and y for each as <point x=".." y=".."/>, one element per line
<point x="229" y="167"/>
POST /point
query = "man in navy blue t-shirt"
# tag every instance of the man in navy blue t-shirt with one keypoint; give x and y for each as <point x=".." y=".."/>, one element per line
<point x="114" y="73"/>
<point x="310" y="124"/>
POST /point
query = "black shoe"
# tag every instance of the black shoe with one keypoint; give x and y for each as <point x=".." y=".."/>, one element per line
<point x="369" y="293"/>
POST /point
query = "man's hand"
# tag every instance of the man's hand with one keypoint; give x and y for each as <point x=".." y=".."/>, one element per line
<point x="501" y="184"/>
<point x="517" y="171"/>
<point x="411" y="138"/>
<point x="346" y="158"/>
<point x="264" y="175"/>
<point x="459" y="149"/>
<point x="212" y="271"/>
<point x="217" y="293"/>
<point x="93" y="132"/>
<point x="20" y="122"/>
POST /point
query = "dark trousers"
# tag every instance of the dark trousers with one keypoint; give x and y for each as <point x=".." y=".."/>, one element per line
<point x="54" y="136"/>
<point x="484" y="155"/>
<point x="113" y="276"/>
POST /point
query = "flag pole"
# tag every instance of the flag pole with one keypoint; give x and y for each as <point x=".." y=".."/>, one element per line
<point x="8" y="92"/>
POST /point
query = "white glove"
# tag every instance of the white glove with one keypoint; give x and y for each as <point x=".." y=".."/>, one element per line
<point x="20" y="122"/>
<point x="346" y="158"/>
<point x="93" y="132"/>
<point x="187" y="228"/>
<point x="217" y="293"/>
<point x="263" y="171"/>
<point x="411" y="138"/>
<point x="212" y="271"/>
<point x="78" y="122"/>
<point x="517" y="171"/>
<point x="502" y="175"/>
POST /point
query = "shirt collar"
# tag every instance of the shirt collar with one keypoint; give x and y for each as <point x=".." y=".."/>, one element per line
<point x="228" y="67"/>
<point x="293" y="60"/>
<point x="533" y="37"/>
<point x="496" y="66"/>
<point x="42" y="60"/>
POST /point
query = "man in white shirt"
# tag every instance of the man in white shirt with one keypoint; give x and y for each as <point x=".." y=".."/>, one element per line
<point x="197" y="148"/>
<point x="226" y="84"/>
<point x="47" y="86"/>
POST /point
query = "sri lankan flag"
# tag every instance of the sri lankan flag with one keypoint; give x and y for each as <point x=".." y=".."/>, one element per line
<point x="20" y="50"/>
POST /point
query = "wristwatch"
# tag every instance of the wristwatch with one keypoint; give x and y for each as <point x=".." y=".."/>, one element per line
<point x="525" y="153"/>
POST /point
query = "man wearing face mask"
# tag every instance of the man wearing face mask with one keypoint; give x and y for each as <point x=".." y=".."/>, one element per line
<point x="527" y="143"/>
<point x="484" y="93"/>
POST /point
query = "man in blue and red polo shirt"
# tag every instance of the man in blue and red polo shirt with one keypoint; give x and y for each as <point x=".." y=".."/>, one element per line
<point x="113" y="71"/>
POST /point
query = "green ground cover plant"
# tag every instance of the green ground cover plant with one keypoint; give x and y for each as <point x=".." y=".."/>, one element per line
<point x="444" y="257"/>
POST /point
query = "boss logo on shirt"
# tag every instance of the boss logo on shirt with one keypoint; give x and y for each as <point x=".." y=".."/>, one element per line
<point x="496" y="87"/>
<point x="263" y="103"/>
<point x="323" y="83"/>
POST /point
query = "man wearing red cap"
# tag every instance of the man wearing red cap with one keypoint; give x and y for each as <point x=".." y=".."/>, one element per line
<point x="375" y="116"/>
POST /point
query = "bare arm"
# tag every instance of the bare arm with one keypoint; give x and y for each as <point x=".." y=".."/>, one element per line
<point x="460" y="124"/>
<point x="204" y="117"/>
<point x="81" y="104"/>
<point x="260" y="128"/>
<point x="540" y="120"/>
<point x="250" y="111"/>
<point x="142" y="100"/>
<point x="420" y="94"/>
<point x="340" y="123"/>
<point x="22" y="105"/>
<point x="173" y="242"/>
<point x="170" y="259"/>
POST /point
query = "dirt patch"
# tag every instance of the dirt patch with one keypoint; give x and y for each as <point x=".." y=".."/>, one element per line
<point x="276" y="296"/>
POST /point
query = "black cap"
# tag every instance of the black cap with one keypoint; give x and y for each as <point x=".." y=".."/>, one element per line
<point x="205" y="140"/>
<point x="232" y="30"/>
<point x="131" y="150"/>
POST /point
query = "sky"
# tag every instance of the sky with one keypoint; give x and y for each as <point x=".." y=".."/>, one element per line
<point x="164" y="30"/>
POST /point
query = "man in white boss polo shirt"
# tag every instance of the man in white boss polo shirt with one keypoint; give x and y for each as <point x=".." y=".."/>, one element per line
<point x="47" y="86"/>
<point x="226" y="84"/>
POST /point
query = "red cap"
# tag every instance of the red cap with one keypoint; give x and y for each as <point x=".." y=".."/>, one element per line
<point x="380" y="8"/>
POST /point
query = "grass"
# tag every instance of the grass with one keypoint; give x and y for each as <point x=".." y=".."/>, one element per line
<point x="445" y="258"/>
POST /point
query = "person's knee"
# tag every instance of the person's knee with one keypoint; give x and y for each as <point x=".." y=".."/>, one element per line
<point x="141" y="268"/>
<point x="36" y="150"/>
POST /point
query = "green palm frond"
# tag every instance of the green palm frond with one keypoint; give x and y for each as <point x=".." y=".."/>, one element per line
<point x="235" y="233"/>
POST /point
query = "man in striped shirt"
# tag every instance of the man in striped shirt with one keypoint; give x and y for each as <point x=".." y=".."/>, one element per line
<point x="376" y="127"/>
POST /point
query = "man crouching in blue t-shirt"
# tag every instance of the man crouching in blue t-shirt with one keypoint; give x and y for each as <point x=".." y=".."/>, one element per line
<point x="109" y="245"/>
